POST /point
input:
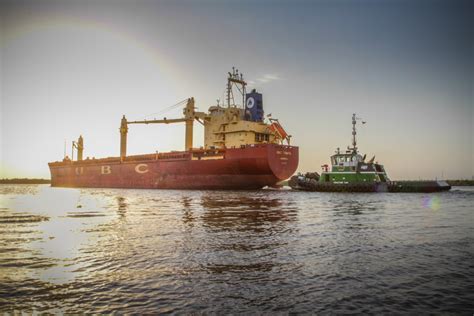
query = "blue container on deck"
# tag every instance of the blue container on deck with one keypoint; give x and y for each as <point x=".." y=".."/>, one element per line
<point x="254" y="106"/>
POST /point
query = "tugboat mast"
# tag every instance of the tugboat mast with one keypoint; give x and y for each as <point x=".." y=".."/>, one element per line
<point x="354" y="133"/>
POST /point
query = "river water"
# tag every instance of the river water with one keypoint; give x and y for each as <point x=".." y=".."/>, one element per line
<point x="157" y="251"/>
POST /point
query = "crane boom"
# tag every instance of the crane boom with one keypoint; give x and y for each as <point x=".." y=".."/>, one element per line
<point x="163" y="121"/>
<point x="189" y="116"/>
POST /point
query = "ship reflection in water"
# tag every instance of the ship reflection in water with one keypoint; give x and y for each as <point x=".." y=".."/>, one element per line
<point x="260" y="224"/>
<point x="154" y="251"/>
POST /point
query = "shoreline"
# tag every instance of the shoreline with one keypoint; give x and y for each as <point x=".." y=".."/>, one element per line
<point x="25" y="181"/>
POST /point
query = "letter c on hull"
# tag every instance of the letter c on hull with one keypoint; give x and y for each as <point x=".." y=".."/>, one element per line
<point x="79" y="170"/>
<point x="105" y="170"/>
<point x="141" y="168"/>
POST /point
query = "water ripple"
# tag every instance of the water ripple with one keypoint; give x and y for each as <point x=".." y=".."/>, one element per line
<point x="216" y="252"/>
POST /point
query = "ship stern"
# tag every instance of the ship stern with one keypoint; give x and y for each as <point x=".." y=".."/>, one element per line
<point x="283" y="160"/>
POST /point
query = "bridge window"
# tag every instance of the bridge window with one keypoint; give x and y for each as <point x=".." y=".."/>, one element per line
<point x="259" y="137"/>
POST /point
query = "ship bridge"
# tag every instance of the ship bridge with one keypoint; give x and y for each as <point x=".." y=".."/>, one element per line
<point x="349" y="160"/>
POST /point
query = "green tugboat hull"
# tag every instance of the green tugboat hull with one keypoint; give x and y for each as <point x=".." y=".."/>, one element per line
<point x="303" y="183"/>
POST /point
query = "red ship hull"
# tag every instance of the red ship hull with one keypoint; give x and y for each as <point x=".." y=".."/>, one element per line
<point x="249" y="167"/>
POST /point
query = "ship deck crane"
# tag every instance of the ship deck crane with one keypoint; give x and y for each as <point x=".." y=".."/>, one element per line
<point x="189" y="116"/>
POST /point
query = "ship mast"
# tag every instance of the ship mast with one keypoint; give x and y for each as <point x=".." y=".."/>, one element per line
<point x="237" y="79"/>
<point x="79" y="145"/>
<point x="354" y="133"/>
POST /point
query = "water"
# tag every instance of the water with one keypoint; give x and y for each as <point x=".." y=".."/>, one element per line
<point x="153" y="251"/>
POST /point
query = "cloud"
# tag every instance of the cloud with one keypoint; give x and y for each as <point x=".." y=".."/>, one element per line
<point x="266" y="78"/>
<point x="271" y="77"/>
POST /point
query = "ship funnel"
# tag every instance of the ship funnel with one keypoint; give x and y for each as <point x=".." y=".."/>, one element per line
<point x="254" y="106"/>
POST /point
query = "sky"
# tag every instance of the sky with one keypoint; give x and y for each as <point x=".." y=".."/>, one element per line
<point x="406" y="67"/>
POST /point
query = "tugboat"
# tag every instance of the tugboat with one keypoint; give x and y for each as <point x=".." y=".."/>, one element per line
<point x="349" y="172"/>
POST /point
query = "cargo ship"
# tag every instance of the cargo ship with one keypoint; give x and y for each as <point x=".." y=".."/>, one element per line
<point x="350" y="172"/>
<point x="243" y="149"/>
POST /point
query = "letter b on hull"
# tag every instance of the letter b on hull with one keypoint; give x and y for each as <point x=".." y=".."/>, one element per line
<point x="105" y="170"/>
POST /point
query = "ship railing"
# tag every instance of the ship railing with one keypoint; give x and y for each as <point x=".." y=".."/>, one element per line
<point x="158" y="156"/>
<point x="208" y="152"/>
<point x="265" y="145"/>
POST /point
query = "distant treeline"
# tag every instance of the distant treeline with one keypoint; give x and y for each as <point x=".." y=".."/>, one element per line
<point x="24" y="181"/>
<point x="460" y="182"/>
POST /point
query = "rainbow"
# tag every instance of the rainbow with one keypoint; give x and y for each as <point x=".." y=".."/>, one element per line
<point x="23" y="26"/>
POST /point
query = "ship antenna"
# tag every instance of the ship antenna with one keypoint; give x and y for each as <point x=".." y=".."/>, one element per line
<point x="229" y="88"/>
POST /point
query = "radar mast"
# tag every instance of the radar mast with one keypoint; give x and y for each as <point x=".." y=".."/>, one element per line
<point x="354" y="133"/>
<point x="236" y="79"/>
